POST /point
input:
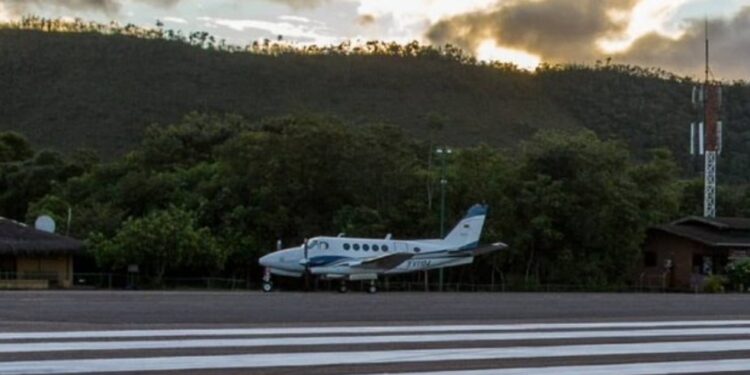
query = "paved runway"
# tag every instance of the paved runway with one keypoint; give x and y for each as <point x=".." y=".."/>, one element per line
<point x="159" y="332"/>
<point x="551" y="348"/>
<point x="105" y="308"/>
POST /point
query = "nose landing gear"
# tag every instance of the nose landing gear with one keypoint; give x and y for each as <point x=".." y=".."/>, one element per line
<point x="267" y="283"/>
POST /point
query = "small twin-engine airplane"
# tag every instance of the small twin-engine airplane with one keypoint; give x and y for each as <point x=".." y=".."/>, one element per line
<point x="345" y="258"/>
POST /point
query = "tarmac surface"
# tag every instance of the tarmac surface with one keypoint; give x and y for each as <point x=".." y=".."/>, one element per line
<point x="356" y="333"/>
<point x="114" y="308"/>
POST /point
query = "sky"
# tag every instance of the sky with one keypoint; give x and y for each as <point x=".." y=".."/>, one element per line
<point x="662" y="33"/>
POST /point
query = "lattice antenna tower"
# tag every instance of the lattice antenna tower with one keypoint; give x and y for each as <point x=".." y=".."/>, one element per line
<point x="706" y="137"/>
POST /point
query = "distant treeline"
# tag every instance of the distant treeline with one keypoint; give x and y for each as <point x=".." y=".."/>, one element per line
<point x="100" y="86"/>
<point x="279" y="46"/>
<point x="203" y="39"/>
<point x="209" y="194"/>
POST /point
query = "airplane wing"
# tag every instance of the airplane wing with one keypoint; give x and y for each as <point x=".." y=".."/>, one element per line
<point x="479" y="250"/>
<point x="383" y="262"/>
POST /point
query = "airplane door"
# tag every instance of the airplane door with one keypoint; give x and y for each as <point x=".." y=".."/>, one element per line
<point x="401" y="247"/>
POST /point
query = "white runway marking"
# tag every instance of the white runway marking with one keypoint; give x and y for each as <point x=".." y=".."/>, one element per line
<point x="690" y="367"/>
<point x="357" y="330"/>
<point x="362" y="357"/>
<point x="348" y="340"/>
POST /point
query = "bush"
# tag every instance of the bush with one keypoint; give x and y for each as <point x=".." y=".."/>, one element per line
<point x="714" y="284"/>
<point x="161" y="241"/>
<point x="739" y="274"/>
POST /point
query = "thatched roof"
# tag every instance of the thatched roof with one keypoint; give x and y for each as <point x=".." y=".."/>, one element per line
<point x="20" y="239"/>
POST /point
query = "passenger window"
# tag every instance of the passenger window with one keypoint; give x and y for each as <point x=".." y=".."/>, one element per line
<point x="375" y="248"/>
<point x="366" y="247"/>
<point x="346" y="246"/>
<point x="356" y="247"/>
<point x="384" y="247"/>
<point x="416" y="249"/>
<point x="323" y="245"/>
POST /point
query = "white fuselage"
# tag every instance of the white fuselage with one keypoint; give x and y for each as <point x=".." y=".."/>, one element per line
<point x="333" y="257"/>
<point x="366" y="258"/>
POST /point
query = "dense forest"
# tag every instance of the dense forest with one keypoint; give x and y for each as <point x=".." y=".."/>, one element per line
<point x="190" y="157"/>
<point x="209" y="194"/>
<point x="100" y="86"/>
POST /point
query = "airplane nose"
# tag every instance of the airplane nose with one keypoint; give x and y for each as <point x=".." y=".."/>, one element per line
<point x="265" y="260"/>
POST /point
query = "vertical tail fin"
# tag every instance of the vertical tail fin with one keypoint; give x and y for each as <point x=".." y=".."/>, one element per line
<point x="466" y="233"/>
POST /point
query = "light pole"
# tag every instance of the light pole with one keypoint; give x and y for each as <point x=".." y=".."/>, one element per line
<point x="443" y="152"/>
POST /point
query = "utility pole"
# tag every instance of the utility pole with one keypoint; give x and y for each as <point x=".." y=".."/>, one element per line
<point x="443" y="152"/>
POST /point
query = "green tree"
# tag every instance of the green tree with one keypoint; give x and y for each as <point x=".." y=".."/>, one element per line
<point x="14" y="147"/>
<point x="24" y="182"/>
<point x="160" y="242"/>
<point x="359" y="222"/>
<point x="739" y="274"/>
<point x="55" y="207"/>
<point x="582" y="208"/>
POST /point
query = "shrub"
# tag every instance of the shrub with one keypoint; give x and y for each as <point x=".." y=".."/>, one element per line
<point x="739" y="274"/>
<point x="714" y="284"/>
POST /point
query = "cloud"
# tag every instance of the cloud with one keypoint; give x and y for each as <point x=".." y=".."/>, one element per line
<point x="310" y="32"/>
<point x="366" y="19"/>
<point x="4" y="14"/>
<point x="16" y="8"/>
<point x="630" y="31"/>
<point x="647" y="16"/>
<point x="19" y="7"/>
<point x="175" y="20"/>
<point x="409" y="18"/>
<point x="730" y="48"/>
<point x="295" y="19"/>
<point x="301" y="4"/>
<point x="555" y="30"/>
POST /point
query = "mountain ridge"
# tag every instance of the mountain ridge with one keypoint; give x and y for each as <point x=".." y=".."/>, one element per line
<point x="71" y="90"/>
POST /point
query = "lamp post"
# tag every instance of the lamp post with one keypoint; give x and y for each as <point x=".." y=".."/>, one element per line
<point x="443" y="152"/>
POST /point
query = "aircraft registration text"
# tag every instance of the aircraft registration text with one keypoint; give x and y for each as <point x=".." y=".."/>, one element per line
<point x="419" y="263"/>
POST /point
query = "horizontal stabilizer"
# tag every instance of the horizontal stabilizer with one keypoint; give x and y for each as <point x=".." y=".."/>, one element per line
<point x="479" y="250"/>
<point x="383" y="262"/>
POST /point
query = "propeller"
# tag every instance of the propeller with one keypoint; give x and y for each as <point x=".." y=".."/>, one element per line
<point x="304" y="248"/>
<point x="305" y="256"/>
<point x="307" y="265"/>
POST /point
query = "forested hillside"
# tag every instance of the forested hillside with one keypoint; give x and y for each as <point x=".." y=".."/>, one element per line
<point x="100" y="91"/>
<point x="208" y="154"/>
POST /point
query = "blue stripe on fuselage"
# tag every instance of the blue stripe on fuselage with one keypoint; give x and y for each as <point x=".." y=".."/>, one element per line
<point x="325" y="260"/>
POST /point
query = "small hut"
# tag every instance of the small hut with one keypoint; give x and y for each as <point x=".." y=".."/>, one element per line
<point x="682" y="253"/>
<point x="34" y="259"/>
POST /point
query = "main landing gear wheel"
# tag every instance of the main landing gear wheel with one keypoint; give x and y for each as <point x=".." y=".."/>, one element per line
<point x="372" y="289"/>
<point x="343" y="288"/>
<point x="267" y="287"/>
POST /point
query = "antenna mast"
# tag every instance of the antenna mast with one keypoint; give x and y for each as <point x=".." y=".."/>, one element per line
<point x="708" y="98"/>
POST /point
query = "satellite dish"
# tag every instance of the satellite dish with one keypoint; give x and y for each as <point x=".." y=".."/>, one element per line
<point x="45" y="223"/>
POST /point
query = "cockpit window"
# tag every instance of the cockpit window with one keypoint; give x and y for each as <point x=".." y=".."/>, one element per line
<point x="312" y="244"/>
<point x="323" y="245"/>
